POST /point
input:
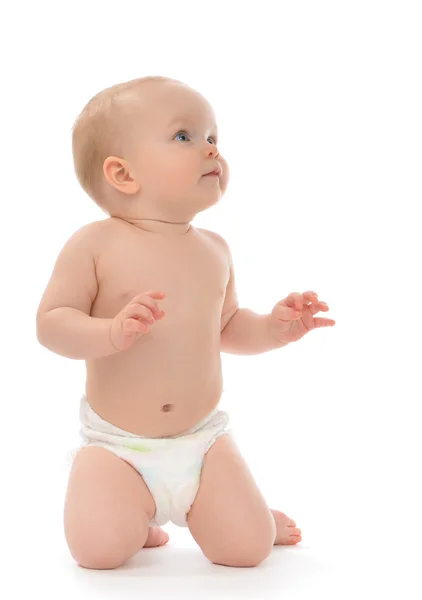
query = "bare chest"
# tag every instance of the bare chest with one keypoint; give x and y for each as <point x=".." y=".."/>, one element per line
<point x="192" y="272"/>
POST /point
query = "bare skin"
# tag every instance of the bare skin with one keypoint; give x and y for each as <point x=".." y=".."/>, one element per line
<point x="171" y="377"/>
<point x="287" y="532"/>
<point x="115" y="384"/>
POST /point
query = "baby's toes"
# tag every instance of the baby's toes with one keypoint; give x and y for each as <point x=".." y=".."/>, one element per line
<point x="156" y="537"/>
<point x="294" y="540"/>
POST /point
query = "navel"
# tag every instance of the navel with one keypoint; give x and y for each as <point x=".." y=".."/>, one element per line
<point x="167" y="407"/>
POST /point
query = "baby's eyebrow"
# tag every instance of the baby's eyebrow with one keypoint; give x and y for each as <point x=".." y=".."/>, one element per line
<point x="184" y="120"/>
<point x="180" y="120"/>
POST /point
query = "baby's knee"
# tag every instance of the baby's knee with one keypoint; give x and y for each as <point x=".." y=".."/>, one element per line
<point x="95" y="555"/>
<point x="244" y="555"/>
<point x="95" y="547"/>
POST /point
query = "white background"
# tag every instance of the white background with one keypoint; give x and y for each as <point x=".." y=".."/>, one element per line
<point x="319" y="110"/>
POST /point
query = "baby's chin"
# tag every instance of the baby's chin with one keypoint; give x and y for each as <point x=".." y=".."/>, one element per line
<point x="184" y="204"/>
<point x="207" y="202"/>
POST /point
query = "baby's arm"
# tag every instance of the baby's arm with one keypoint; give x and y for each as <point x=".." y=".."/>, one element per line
<point x="242" y="330"/>
<point x="231" y="301"/>
<point x="63" y="322"/>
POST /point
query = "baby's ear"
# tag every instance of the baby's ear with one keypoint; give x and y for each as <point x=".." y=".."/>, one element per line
<point x="118" y="174"/>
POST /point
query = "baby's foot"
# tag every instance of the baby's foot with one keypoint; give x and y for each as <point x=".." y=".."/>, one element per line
<point x="156" y="537"/>
<point x="287" y="532"/>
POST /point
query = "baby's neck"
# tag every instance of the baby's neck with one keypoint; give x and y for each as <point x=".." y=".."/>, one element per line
<point x="158" y="226"/>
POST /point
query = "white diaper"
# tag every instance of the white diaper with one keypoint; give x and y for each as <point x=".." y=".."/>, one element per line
<point x="170" y="466"/>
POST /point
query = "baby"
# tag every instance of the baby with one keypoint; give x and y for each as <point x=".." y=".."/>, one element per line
<point x="149" y="302"/>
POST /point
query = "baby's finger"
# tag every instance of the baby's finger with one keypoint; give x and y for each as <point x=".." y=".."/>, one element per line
<point x="132" y="325"/>
<point x="147" y="300"/>
<point x="153" y="295"/>
<point x="310" y="296"/>
<point x="293" y="300"/>
<point x="286" y="313"/>
<point x="138" y="311"/>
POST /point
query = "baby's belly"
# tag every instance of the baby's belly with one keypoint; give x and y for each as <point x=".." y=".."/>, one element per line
<point x="160" y="387"/>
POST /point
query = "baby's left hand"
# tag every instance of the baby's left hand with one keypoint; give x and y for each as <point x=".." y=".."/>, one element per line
<point x="289" y="325"/>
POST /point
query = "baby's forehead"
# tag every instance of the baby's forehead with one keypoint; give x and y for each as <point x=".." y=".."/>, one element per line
<point x="167" y="105"/>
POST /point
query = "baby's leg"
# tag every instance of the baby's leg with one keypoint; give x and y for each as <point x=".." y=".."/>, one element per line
<point x="229" y="517"/>
<point x="107" y="510"/>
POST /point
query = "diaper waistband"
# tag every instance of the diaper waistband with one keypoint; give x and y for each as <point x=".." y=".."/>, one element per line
<point x="89" y="418"/>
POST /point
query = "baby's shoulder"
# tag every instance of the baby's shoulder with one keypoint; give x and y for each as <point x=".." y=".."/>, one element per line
<point x="92" y="232"/>
<point x="219" y="242"/>
<point x="89" y="238"/>
<point x="213" y="235"/>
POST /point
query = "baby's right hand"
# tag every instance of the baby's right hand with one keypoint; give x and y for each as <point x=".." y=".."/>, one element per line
<point x="133" y="320"/>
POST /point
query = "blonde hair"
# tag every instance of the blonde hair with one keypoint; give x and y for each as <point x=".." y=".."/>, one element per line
<point x="99" y="131"/>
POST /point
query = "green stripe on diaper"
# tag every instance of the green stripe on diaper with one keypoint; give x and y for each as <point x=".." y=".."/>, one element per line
<point x="138" y="447"/>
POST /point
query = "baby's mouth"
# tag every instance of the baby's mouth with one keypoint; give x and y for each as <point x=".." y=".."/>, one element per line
<point x="216" y="172"/>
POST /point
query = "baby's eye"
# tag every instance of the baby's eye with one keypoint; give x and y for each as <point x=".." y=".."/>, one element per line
<point x="181" y="133"/>
<point x="213" y="140"/>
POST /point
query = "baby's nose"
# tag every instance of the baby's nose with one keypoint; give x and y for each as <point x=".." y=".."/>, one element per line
<point x="212" y="150"/>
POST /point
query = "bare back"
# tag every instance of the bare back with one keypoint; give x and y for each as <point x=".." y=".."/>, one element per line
<point x="170" y="378"/>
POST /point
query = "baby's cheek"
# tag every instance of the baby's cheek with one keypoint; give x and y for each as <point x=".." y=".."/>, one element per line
<point x="224" y="179"/>
<point x="173" y="177"/>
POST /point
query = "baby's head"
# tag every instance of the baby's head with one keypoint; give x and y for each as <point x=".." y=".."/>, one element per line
<point x="142" y="150"/>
